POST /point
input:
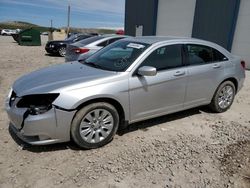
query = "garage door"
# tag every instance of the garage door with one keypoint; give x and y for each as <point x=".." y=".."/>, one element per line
<point x="175" y="17"/>
<point x="241" y="42"/>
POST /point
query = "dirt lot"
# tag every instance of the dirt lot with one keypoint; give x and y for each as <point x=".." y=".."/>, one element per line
<point x="194" y="148"/>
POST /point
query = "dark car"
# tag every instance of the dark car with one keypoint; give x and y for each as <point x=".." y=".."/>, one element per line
<point x="58" y="47"/>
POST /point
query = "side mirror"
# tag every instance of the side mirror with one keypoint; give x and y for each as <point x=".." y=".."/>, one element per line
<point x="147" y="71"/>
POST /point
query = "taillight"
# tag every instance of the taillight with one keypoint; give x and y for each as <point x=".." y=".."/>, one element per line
<point x="80" y="50"/>
<point x="243" y="64"/>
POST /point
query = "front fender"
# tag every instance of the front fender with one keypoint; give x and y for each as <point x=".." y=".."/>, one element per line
<point x="70" y="100"/>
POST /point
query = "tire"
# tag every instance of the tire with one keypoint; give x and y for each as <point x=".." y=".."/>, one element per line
<point x="84" y="122"/>
<point x="217" y="105"/>
<point x="62" y="51"/>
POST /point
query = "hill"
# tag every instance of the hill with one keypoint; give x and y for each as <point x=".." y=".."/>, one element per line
<point x="91" y="30"/>
<point x="21" y="25"/>
<point x="26" y="25"/>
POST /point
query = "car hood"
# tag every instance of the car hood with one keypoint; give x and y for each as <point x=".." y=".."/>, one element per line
<point x="58" y="77"/>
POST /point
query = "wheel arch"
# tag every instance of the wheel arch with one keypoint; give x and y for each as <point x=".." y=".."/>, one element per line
<point x="233" y="80"/>
<point x="111" y="101"/>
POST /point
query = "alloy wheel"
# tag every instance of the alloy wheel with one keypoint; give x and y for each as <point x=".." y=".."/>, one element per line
<point x="96" y="125"/>
<point x="226" y="96"/>
<point x="62" y="51"/>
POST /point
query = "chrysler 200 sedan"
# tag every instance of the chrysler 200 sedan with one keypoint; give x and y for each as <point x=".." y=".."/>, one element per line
<point x="128" y="81"/>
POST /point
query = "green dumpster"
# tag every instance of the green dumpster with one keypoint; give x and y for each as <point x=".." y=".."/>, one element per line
<point x="15" y="36"/>
<point x="29" y="37"/>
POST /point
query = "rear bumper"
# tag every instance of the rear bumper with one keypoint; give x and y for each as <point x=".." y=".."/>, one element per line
<point x="48" y="128"/>
<point x="240" y="84"/>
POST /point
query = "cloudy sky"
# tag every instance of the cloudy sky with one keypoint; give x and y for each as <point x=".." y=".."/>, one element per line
<point x="84" y="13"/>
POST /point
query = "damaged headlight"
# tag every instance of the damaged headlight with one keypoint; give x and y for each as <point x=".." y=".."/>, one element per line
<point x="38" y="103"/>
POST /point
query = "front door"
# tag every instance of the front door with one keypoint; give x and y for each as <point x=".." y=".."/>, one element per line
<point x="163" y="93"/>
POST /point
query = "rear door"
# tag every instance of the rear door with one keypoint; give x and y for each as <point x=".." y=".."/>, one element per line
<point x="205" y="71"/>
<point x="152" y="96"/>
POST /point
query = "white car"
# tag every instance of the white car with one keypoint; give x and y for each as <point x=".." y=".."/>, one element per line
<point x="7" y="32"/>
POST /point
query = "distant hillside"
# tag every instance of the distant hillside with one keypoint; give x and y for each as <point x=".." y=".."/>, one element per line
<point x="26" y="25"/>
<point x="91" y="30"/>
<point x="21" y="25"/>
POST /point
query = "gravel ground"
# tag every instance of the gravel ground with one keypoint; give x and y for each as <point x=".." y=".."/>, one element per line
<point x="194" y="148"/>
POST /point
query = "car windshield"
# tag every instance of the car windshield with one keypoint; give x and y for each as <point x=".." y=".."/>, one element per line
<point x="117" y="56"/>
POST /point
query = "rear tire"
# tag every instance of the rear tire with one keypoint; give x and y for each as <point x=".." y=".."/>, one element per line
<point x="62" y="51"/>
<point x="94" y="125"/>
<point x="223" y="97"/>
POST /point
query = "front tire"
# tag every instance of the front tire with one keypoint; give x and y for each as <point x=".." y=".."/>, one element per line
<point x="94" y="125"/>
<point x="223" y="97"/>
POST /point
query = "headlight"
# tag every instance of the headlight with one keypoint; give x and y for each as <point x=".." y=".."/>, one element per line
<point x="37" y="104"/>
<point x="9" y="94"/>
<point x="52" y="45"/>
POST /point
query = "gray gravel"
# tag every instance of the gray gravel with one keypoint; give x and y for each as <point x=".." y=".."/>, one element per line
<point x="194" y="148"/>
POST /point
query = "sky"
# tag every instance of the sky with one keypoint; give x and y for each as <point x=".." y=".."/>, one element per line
<point x="84" y="13"/>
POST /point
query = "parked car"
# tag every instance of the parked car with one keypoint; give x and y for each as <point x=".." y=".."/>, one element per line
<point x="45" y="33"/>
<point x="120" y="32"/>
<point x="73" y="34"/>
<point x="131" y="80"/>
<point x="85" y="48"/>
<point x="7" y="32"/>
<point x="58" y="47"/>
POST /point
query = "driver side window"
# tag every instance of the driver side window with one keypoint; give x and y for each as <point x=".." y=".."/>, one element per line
<point x="166" y="57"/>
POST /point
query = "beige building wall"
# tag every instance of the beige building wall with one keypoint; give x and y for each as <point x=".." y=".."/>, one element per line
<point x="241" y="42"/>
<point x="175" y="17"/>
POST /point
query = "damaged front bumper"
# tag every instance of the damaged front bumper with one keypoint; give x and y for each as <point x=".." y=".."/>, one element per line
<point x="50" y="127"/>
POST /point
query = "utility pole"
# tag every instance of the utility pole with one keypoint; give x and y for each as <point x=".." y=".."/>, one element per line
<point x="50" y="36"/>
<point x="68" y="20"/>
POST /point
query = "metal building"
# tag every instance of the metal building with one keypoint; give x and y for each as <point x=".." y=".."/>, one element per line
<point x="221" y="21"/>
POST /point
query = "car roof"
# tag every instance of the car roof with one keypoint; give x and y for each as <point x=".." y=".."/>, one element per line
<point x="114" y="36"/>
<point x="93" y="41"/>
<point x="156" y="39"/>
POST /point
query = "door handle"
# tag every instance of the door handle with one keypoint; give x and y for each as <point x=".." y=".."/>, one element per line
<point x="215" y="66"/>
<point x="179" y="73"/>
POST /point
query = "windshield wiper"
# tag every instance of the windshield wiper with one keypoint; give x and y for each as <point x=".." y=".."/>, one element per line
<point x="93" y="65"/>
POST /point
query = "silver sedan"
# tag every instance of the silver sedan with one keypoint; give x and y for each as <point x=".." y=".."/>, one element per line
<point x="131" y="80"/>
<point x="85" y="48"/>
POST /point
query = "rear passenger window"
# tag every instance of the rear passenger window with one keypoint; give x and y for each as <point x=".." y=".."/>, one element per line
<point x="103" y="44"/>
<point x="217" y="56"/>
<point x="199" y="54"/>
<point x="113" y="40"/>
<point x="166" y="57"/>
<point x="107" y="42"/>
